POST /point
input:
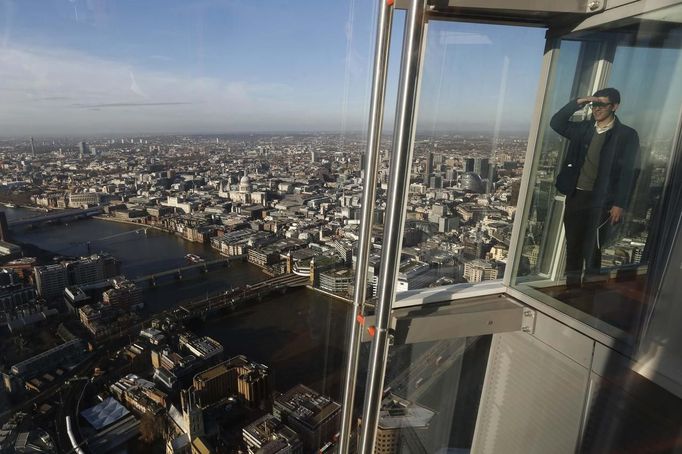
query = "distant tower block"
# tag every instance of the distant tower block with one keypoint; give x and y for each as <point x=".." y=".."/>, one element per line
<point x="82" y="149"/>
<point x="33" y="147"/>
<point x="4" y="228"/>
<point x="428" y="171"/>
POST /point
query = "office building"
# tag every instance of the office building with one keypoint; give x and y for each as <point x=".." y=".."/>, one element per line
<point x="435" y="182"/>
<point x="65" y="354"/>
<point x="268" y="434"/>
<point x="85" y="199"/>
<point x="124" y="294"/>
<point x="50" y="280"/>
<point x="254" y="383"/>
<point x="83" y="149"/>
<point x="93" y="268"/>
<point x="13" y="292"/>
<point x="400" y="420"/>
<point x="236" y="377"/>
<point x="202" y="347"/>
<point x="313" y="416"/>
<point x="215" y="384"/>
<point x="428" y="168"/>
<point x="479" y="271"/>
<point x="471" y="181"/>
<point x="412" y="274"/>
<point x="337" y="280"/>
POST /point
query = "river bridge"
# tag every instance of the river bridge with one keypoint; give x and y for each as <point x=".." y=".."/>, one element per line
<point x="231" y="298"/>
<point x="185" y="272"/>
<point x="199" y="309"/>
<point x="55" y="216"/>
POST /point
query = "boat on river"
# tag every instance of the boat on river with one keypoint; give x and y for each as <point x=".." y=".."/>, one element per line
<point x="193" y="258"/>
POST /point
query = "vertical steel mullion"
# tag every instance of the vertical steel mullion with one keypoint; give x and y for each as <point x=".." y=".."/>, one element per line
<point x="401" y="159"/>
<point x="376" y="117"/>
<point x="535" y="139"/>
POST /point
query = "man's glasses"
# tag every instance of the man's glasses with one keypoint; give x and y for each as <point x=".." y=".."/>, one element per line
<point x="600" y="104"/>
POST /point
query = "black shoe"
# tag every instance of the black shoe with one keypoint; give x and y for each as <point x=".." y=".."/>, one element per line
<point x="569" y="294"/>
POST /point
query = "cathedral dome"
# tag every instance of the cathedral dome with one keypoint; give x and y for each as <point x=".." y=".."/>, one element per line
<point x="245" y="184"/>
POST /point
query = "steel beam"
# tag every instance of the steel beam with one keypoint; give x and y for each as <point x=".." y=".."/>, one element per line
<point x="401" y="160"/>
<point x="376" y="117"/>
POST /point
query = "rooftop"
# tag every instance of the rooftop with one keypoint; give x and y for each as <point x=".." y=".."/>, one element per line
<point x="307" y="406"/>
<point x="397" y="412"/>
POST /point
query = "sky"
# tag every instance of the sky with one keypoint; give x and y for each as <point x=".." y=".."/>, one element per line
<point x="89" y="67"/>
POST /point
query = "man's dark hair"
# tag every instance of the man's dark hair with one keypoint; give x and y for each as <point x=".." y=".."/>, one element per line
<point x="611" y="93"/>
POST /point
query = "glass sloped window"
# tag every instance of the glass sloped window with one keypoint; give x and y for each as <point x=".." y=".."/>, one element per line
<point x="179" y="125"/>
<point x="644" y="60"/>
<point x="476" y="92"/>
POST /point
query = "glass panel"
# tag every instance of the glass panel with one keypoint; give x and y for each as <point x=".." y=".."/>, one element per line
<point x="572" y="71"/>
<point x="628" y="413"/>
<point x="475" y="106"/>
<point x="431" y="396"/>
<point x="213" y="142"/>
<point x="578" y="253"/>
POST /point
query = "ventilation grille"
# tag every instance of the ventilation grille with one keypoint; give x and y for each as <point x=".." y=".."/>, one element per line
<point x="532" y="399"/>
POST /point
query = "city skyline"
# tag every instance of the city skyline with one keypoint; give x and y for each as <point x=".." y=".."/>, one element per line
<point x="253" y="238"/>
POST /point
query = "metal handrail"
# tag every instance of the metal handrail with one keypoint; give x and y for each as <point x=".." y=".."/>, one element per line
<point x="376" y="116"/>
<point x="401" y="159"/>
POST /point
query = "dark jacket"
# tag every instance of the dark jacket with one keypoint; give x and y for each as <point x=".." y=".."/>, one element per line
<point x="617" y="161"/>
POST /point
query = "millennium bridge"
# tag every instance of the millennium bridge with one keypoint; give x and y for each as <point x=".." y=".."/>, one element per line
<point x="55" y="216"/>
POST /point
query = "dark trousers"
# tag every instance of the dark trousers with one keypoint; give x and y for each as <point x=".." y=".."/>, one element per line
<point x="582" y="221"/>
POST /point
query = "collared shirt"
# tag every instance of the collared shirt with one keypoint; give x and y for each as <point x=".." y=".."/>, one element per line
<point x="602" y="130"/>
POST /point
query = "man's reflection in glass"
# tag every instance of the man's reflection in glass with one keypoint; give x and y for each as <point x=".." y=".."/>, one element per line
<point x="597" y="177"/>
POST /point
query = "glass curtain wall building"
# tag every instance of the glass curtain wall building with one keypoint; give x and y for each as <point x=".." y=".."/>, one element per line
<point x="544" y="356"/>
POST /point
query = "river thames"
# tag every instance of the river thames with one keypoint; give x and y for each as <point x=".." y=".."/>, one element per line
<point x="300" y="335"/>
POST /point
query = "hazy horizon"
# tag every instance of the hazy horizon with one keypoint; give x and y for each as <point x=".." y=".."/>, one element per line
<point x="212" y="135"/>
<point x="82" y="68"/>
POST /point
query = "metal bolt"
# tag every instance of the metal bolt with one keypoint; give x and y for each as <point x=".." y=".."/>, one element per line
<point x="528" y="313"/>
<point x="594" y="5"/>
<point x="526" y="329"/>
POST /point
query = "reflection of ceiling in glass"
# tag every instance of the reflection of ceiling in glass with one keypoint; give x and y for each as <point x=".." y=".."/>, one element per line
<point x="671" y="14"/>
<point x="655" y="29"/>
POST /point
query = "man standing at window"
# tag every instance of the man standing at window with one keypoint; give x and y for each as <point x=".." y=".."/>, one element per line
<point x="597" y="177"/>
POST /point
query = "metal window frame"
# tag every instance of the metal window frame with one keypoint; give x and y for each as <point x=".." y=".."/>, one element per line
<point x="418" y="299"/>
<point x="383" y="39"/>
<point x="606" y="334"/>
<point x="534" y="137"/>
<point x="465" y="317"/>
<point x="412" y="61"/>
<point x="616" y="10"/>
<point x="598" y="78"/>
<point x="644" y="366"/>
